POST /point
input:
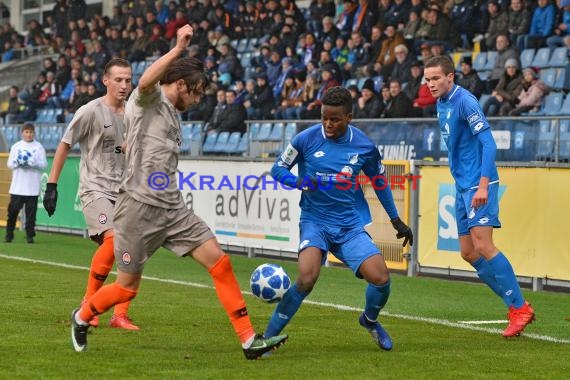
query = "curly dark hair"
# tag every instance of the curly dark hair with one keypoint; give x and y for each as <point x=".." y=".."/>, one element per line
<point x="338" y="96"/>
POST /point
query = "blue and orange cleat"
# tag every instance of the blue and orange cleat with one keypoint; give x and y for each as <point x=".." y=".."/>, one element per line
<point x="518" y="320"/>
<point x="377" y="332"/>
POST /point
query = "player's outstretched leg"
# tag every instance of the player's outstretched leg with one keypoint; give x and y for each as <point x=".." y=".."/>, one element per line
<point x="376" y="298"/>
<point x="78" y="332"/>
<point x="262" y="345"/>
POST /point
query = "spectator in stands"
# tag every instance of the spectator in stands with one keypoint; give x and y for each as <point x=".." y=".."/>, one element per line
<point x="561" y="29"/>
<point x="506" y="91"/>
<point x="318" y="10"/>
<point x="287" y="96"/>
<point x="423" y="31"/>
<point x="311" y="50"/>
<point x="461" y="16"/>
<point x="519" y="20"/>
<point x="425" y="52"/>
<point x="400" y="105"/>
<point x="416" y="75"/>
<point x="401" y="67"/>
<point x="329" y="30"/>
<point x="360" y="56"/>
<point x="14" y="112"/>
<point x="355" y="94"/>
<point x="328" y="81"/>
<point x="441" y="29"/>
<point x="247" y="21"/>
<point x="437" y="49"/>
<point x="326" y="60"/>
<point x="77" y="9"/>
<point x="424" y="103"/>
<point x="541" y="26"/>
<point x="229" y="67"/>
<point x="385" y="98"/>
<point x="498" y="24"/>
<point x="240" y="90"/>
<point x="282" y="69"/>
<point x="346" y="18"/>
<point x="375" y="44"/>
<point x="531" y="96"/>
<point x="215" y="120"/>
<point x="412" y="25"/>
<point x="308" y="96"/>
<point x="295" y="108"/>
<point x="365" y="17"/>
<point x="25" y="187"/>
<point x="84" y="93"/>
<point x="398" y="14"/>
<point x="469" y="79"/>
<point x="385" y="61"/>
<point x="504" y="52"/>
<point x="262" y="103"/>
<point x="61" y="99"/>
<point x="233" y="117"/>
<point x="60" y="17"/>
<point x="205" y="108"/>
<point x="368" y="105"/>
<point x="340" y="52"/>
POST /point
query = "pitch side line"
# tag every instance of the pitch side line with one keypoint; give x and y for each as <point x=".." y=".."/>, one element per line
<point x="434" y="321"/>
<point x="484" y="322"/>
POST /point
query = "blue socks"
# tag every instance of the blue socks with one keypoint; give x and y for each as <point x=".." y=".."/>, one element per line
<point x="285" y="310"/>
<point x="376" y="298"/>
<point x="505" y="276"/>
<point x="487" y="274"/>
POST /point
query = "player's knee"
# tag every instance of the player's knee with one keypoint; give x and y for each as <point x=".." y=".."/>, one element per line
<point x="378" y="279"/>
<point x="305" y="283"/>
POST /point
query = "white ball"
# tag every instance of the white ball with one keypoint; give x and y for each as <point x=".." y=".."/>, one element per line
<point x="23" y="158"/>
<point x="269" y="282"/>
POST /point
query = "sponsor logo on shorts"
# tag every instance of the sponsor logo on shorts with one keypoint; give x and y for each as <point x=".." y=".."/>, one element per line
<point x="483" y="220"/>
<point x="102" y="219"/>
<point x="472" y="213"/>
<point x="303" y="244"/>
<point x="126" y="257"/>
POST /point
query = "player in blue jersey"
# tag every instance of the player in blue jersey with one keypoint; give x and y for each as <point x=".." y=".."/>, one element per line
<point x="330" y="155"/>
<point x="471" y="149"/>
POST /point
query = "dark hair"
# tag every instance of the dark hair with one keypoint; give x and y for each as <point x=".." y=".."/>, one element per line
<point x="443" y="61"/>
<point x="190" y="69"/>
<point x="120" y="62"/>
<point x="338" y="96"/>
<point x="28" y="126"/>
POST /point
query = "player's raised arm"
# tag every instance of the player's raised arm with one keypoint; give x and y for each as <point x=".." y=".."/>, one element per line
<point x="152" y="75"/>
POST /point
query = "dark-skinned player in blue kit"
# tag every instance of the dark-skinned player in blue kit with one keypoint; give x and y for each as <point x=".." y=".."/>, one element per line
<point x="330" y="155"/>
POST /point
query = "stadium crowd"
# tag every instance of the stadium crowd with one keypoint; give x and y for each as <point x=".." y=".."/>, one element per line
<point x="272" y="60"/>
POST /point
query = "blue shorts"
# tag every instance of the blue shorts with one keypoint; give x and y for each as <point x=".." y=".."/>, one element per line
<point x="350" y="245"/>
<point x="487" y="215"/>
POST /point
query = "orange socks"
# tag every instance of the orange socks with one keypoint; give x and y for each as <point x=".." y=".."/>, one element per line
<point x="101" y="265"/>
<point x="104" y="299"/>
<point x="230" y="297"/>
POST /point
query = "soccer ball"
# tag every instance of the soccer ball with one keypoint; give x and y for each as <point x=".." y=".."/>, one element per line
<point x="23" y="158"/>
<point x="269" y="282"/>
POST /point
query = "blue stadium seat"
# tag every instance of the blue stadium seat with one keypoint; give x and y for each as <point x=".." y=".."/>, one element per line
<point x="559" y="57"/>
<point x="552" y="104"/>
<point x="210" y="143"/>
<point x="290" y="131"/>
<point x="545" y="146"/>
<point x="544" y="126"/>
<point x="541" y="58"/>
<point x="41" y="116"/>
<point x="560" y="79"/>
<point x="243" y="143"/>
<point x="564" y="148"/>
<point x="378" y="82"/>
<point x="548" y="76"/>
<point x="527" y="55"/>
<point x="245" y="59"/>
<point x="251" y="44"/>
<point x="264" y="132"/>
<point x="480" y="61"/>
<point x="187" y="131"/>
<point x="564" y="125"/>
<point x="185" y="146"/>
<point x="351" y="82"/>
<point x="254" y="129"/>
<point x="197" y="132"/>
<point x="491" y="59"/>
<point x="221" y="142"/>
<point x="276" y="132"/>
<point x="484" y="75"/>
<point x="565" y="109"/>
<point x="360" y="83"/>
<point x="242" y="45"/>
<point x="233" y="142"/>
<point x="234" y="43"/>
<point x="483" y="99"/>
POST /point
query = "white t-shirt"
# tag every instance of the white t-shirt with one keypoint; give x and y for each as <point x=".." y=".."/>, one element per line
<point x="27" y="160"/>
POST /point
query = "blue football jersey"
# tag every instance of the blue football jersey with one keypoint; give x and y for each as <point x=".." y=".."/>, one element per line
<point x="463" y="126"/>
<point x="336" y="165"/>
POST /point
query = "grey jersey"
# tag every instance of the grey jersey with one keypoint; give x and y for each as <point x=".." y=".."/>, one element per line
<point x="99" y="132"/>
<point x="153" y="146"/>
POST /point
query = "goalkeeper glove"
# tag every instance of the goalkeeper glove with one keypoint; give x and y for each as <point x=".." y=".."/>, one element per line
<point x="50" y="198"/>
<point x="403" y="231"/>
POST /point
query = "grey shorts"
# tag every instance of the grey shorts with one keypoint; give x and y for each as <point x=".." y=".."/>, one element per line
<point x="140" y="229"/>
<point x="99" y="216"/>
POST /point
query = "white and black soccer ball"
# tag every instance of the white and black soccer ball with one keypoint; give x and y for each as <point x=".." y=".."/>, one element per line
<point x="23" y="158"/>
<point x="269" y="282"/>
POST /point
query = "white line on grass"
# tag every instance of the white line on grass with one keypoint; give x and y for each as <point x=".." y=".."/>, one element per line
<point x="484" y="322"/>
<point x="435" y="321"/>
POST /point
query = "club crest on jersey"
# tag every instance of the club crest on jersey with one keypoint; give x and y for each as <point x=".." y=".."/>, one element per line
<point x="347" y="170"/>
<point x="353" y="158"/>
<point x="102" y="219"/>
<point x="126" y="258"/>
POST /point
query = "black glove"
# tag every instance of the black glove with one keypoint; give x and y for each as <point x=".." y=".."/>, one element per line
<point x="50" y="198"/>
<point x="403" y="231"/>
<point x="307" y="184"/>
